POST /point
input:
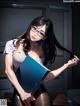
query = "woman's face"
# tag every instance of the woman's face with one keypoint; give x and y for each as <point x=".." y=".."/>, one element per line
<point x="37" y="33"/>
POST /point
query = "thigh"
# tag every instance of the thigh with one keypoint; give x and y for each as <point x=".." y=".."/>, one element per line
<point x="43" y="99"/>
<point x="49" y="76"/>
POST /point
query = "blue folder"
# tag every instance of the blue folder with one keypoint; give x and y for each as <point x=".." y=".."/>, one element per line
<point x="31" y="74"/>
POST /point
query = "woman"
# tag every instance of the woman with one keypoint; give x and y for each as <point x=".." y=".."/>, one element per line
<point x="38" y="41"/>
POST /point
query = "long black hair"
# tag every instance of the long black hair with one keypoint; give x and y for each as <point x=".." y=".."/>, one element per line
<point x="49" y="44"/>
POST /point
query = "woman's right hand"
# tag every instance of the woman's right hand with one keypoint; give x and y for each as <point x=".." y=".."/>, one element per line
<point x="26" y="98"/>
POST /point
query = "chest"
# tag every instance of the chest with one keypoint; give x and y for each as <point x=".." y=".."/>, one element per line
<point x="36" y="51"/>
<point x="38" y="55"/>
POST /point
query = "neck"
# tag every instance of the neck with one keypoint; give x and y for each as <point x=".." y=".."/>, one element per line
<point x="34" y="45"/>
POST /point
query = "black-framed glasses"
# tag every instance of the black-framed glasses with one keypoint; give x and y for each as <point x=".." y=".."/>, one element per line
<point x="40" y="33"/>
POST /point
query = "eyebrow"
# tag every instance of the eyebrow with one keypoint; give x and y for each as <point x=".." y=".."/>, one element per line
<point x="39" y="30"/>
<point x="42" y="31"/>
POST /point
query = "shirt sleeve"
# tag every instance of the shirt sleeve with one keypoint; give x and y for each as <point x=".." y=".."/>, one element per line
<point x="9" y="47"/>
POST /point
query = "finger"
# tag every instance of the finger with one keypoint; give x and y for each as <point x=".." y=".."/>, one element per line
<point x="76" y="60"/>
<point x="76" y="57"/>
<point x="27" y="103"/>
<point x="29" y="100"/>
<point x="32" y="97"/>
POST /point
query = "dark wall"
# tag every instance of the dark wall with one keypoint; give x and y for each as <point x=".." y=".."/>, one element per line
<point x="76" y="42"/>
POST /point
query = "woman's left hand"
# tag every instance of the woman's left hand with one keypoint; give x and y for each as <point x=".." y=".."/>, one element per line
<point x="74" y="61"/>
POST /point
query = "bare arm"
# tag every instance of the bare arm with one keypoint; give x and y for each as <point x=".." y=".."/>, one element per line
<point x="12" y="77"/>
<point x="70" y="63"/>
<point x="58" y="71"/>
<point x="10" y="73"/>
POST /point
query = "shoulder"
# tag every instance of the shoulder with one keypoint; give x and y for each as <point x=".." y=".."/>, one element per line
<point x="10" y="46"/>
<point x="11" y="42"/>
